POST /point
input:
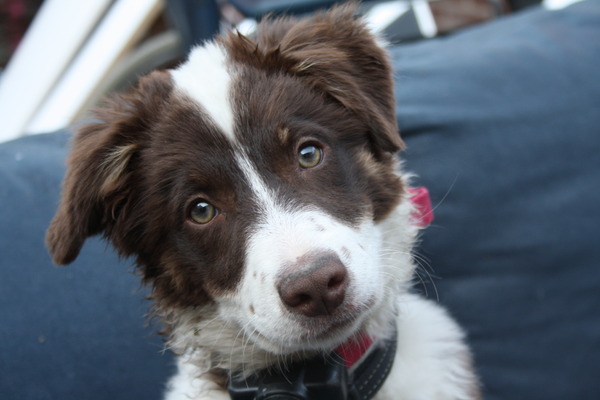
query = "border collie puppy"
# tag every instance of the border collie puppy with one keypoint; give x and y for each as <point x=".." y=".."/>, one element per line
<point x="258" y="189"/>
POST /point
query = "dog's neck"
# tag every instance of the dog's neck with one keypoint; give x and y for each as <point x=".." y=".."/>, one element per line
<point x="355" y="370"/>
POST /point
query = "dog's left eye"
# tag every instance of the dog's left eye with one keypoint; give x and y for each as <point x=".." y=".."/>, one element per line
<point x="202" y="212"/>
<point x="310" y="156"/>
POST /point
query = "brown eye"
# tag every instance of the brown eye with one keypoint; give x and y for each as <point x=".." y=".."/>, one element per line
<point x="202" y="212"/>
<point x="310" y="156"/>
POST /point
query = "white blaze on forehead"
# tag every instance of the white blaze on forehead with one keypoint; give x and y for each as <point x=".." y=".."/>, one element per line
<point x="275" y="216"/>
<point x="205" y="78"/>
<point x="263" y="193"/>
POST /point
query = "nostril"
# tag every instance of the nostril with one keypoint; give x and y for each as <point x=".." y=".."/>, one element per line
<point x="304" y="298"/>
<point x="336" y="281"/>
<point x="297" y="300"/>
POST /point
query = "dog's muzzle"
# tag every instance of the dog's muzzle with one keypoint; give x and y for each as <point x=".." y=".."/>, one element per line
<point x="354" y="371"/>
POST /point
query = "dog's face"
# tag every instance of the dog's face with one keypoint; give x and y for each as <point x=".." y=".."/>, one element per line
<point x="253" y="180"/>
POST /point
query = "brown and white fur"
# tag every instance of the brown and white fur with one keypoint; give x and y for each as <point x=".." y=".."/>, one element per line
<point x="223" y="132"/>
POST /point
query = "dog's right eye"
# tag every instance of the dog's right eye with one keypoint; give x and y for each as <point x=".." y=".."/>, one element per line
<point x="309" y="156"/>
<point x="202" y="212"/>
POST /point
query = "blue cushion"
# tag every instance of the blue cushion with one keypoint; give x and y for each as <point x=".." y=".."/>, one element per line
<point x="502" y="124"/>
<point x="77" y="332"/>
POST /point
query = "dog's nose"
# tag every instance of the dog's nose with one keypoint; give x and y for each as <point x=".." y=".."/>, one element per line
<point x="314" y="286"/>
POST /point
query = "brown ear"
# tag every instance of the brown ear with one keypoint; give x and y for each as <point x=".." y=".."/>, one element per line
<point x="98" y="179"/>
<point x="335" y="53"/>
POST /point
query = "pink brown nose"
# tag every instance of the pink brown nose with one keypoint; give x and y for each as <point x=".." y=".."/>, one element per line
<point x="314" y="286"/>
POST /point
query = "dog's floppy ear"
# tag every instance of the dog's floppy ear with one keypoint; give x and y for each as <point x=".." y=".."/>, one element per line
<point x="98" y="182"/>
<point x="336" y="53"/>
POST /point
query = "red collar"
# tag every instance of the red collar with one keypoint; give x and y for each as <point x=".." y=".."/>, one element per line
<point x="423" y="213"/>
<point x="354" y="349"/>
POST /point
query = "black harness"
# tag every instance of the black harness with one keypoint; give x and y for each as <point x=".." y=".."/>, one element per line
<point x="320" y="378"/>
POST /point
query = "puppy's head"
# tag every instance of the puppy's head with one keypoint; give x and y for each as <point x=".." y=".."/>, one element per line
<point x="257" y="180"/>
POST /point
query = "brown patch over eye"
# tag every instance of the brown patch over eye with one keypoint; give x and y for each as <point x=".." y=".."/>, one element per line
<point x="202" y="212"/>
<point x="309" y="156"/>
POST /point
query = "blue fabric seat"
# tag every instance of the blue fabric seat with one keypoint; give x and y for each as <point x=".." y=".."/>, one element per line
<point x="502" y="123"/>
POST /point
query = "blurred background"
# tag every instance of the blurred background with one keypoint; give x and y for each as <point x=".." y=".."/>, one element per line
<point x="58" y="58"/>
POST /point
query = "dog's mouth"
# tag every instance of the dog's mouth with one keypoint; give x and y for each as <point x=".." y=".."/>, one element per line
<point x="342" y="328"/>
<point x="308" y="339"/>
<point x="312" y="334"/>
